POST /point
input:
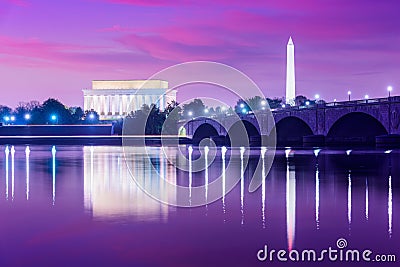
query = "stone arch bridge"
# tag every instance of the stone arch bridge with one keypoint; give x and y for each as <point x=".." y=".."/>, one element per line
<point x="358" y="121"/>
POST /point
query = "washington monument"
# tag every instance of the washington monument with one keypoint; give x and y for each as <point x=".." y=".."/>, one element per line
<point x="290" y="77"/>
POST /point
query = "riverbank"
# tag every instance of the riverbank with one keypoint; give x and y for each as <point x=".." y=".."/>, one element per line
<point x="56" y="130"/>
<point x="93" y="140"/>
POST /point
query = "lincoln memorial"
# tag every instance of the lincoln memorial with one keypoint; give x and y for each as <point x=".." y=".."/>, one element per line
<point x="111" y="99"/>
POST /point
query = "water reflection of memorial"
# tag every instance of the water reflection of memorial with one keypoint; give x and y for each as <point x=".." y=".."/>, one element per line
<point x="110" y="189"/>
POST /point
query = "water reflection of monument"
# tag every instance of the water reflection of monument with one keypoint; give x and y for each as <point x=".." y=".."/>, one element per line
<point x="290" y="200"/>
<point x="110" y="190"/>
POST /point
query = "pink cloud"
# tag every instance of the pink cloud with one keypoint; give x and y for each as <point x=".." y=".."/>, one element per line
<point x="34" y="52"/>
<point x="164" y="49"/>
<point x="191" y="36"/>
<point x="116" y="28"/>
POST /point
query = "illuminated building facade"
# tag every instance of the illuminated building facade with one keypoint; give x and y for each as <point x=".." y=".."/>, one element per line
<point x="111" y="99"/>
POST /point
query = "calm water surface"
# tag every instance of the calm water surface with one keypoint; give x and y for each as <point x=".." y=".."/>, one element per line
<point x="79" y="206"/>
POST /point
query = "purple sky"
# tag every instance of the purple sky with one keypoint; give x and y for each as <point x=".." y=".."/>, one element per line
<point x="55" y="48"/>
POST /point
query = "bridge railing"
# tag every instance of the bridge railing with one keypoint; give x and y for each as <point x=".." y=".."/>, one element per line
<point x="355" y="102"/>
<point x="343" y="103"/>
<point x="359" y="102"/>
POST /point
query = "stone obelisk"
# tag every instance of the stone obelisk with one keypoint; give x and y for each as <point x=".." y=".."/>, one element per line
<point x="290" y="76"/>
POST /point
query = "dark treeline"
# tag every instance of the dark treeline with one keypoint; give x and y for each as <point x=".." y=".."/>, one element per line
<point x="50" y="111"/>
<point x="150" y="120"/>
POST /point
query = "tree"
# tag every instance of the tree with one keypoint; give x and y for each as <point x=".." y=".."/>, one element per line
<point x="50" y="111"/>
<point x="155" y="120"/>
<point x="300" y="100"/>
<point x="55" y="112"/>
<point x="251" y="104"/>
<point x="23" y="113"/>
<point x="147" y="120"/>
<point x="91" y="117"/>
<point x="274" y="103"/>
<point x="5" y="112"/>
<point x="193" y="109"/>
<point x="77" y="114"/>
<point x="256" y="102"/>
<point x="242" y="106"/>
<point x="172" y="115"/>
<point x="37" y="116"/>
<point x="173" y="108"/>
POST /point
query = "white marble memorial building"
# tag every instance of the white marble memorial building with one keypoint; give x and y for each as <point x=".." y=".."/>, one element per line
<point x="111" y="99"/>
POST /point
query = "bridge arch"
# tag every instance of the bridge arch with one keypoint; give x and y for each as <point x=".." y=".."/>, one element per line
<point x="191" y="126"/>
<point x="291" y="130"/>
<point x="205" y="130"/>
<point x="244" y="127"/>
<point x="355" y="127"/>
<point x="251" y="124"/>
<point x="251" y="129"/>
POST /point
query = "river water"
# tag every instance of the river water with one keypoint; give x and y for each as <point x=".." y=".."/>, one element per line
<point x="80" y="206"/>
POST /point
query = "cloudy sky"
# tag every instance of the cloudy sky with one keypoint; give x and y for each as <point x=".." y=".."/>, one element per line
<point x="55" y="48"/>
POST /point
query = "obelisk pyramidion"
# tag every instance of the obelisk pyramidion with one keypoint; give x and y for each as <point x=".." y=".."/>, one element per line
<point x="290" y="77"/>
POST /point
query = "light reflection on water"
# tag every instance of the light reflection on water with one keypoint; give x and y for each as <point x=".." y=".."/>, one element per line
<point x="290" y="201"/>
<point x="7" y="151"/>
<point x="53" y="153"/>
<point x="306" y="192"/>
<point x="317" y="195"/>
<point x="110" y="191"/>
<point x="263" y="177"/>
<point x="390" y="206"/>
<point x="27" y="152"/>
<point x="349" y="201"/>
<point x="12" y="172"/>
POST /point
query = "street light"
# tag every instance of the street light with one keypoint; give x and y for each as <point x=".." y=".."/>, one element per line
<point x="91" y="116"/>
<point x="307" y="103"/>
<point x="317" y="96"/>
<point x="366" y="98"/>
<point x="190" y="113"/>
<point x="27" y="116"/>
<point x="263" y="103"/>
<point x="390" y="88"/>
<point x="12" y="118"/>
<point x="283" y="106"/>
<point x="206" y="110"/>
<point x="244" y="111"/>
<point x="349" y="94"/>
<point x="7" y="118"/>
<point x="54" y="118"/>
<point x="242" y="105"/>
